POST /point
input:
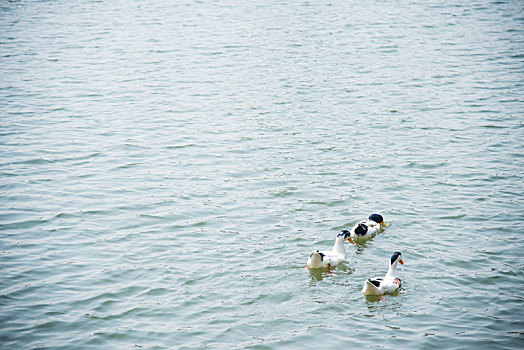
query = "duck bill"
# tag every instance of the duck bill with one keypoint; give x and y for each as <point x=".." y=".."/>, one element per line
<point x="383" y="224"/>
<point x="350" y="240"/>
<point x="401" y="262"/>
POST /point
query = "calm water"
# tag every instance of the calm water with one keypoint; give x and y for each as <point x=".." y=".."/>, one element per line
<point x="166" y="167"/>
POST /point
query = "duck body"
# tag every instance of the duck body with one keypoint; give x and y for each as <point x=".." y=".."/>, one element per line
<point x="329" y="258"/>
<point x="387" y="284"/>
<point x="368" y="228"/>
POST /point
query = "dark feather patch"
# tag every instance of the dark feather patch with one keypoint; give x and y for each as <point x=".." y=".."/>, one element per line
<point x="374" y="282"/>
<point x="361" y="229"/>
<point x="322" y="255"/>
<point x="395" y="256"/>
<point x="344" y="233"/>
<point x="377" y="218"/>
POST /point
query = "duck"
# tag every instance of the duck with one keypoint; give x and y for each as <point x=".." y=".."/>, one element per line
<point x="368" y="228"/>
<point x="327" y="259"/>
<point x="387" y="284"/>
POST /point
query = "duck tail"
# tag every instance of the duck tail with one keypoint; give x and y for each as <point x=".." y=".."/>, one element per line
<point x="315" y="260"/>
<point x="371" y="287"/>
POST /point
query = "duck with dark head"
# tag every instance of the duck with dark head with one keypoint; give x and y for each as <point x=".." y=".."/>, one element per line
<point x="387" y="284"/>
<point x="368" y="228"/>
<point x="330" y="258"/>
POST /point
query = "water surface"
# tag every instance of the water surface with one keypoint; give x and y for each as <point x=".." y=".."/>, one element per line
<point x="167" y="167"/>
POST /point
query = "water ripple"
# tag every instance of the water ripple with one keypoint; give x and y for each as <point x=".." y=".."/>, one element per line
<point x="167" y="169"/>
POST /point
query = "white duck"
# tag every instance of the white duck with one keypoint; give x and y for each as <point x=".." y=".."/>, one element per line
<point x="327" y="259"/>
<point x="386" y="284"/>
<point x="368" y="228"/>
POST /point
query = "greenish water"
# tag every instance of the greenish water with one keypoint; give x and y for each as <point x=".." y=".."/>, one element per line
<point x="166" y="168"/>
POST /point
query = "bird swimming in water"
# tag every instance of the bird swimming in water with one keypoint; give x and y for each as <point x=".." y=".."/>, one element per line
<point x="368" y="228"/>
<point x="327" y="259"/>
<point x="386" y="284"/>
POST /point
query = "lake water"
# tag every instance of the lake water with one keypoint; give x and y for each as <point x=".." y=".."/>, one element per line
<point x="166" y="168"/>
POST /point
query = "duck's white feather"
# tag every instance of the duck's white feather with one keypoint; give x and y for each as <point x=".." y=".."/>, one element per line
<point x="369" y="227"/>
<point x="372" y="229"/>
<point x="325" y="259"/>
<point x="383" y="285"/>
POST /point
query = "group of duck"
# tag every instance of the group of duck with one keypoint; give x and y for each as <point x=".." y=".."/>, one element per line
<point x="362" y="230"/>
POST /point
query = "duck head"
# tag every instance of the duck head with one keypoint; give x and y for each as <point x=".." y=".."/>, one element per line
<point x="345" y="234"/>
<point x="396" y="257"/>
<point x="378" y="219"/>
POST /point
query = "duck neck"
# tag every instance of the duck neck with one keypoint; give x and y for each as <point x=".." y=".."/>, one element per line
<point x="339" y="247"/>
<point x="392" y="269"/>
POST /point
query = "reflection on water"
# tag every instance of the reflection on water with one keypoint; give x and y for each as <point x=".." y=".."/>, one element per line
<point x="381" y="298"/>
<point x="385" y="307"/>
<point x="374" y="298"/>
<point x="318" y="275"/>
<point x="361" y="244"/>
